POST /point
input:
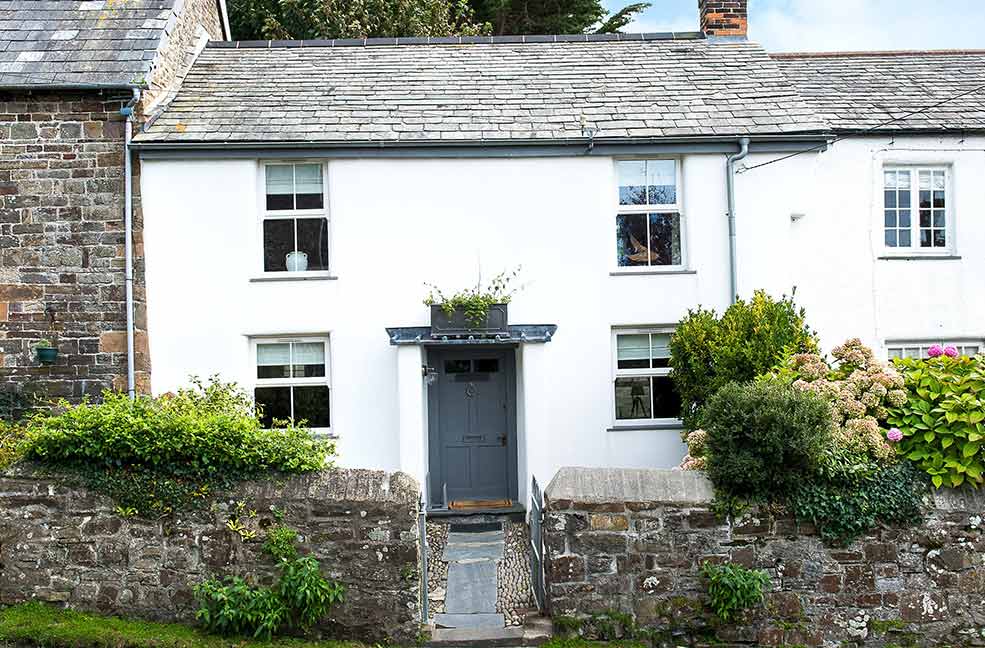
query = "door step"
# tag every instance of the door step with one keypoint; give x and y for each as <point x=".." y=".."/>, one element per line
<point x="476" y="637"/>
<point x="469" y="621"/>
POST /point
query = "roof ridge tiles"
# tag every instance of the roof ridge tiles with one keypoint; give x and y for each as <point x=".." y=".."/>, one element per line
<point x="459" y="40"/>
<point x="877" y="53"/>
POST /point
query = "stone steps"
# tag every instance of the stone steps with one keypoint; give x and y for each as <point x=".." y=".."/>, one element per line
<point x="469" y="621"/>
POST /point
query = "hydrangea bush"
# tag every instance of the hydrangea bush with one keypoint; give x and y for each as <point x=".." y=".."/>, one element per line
<point x="860" y="389"/>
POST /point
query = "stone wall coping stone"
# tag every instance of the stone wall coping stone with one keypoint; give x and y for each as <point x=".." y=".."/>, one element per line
<point x="574" y="485"/>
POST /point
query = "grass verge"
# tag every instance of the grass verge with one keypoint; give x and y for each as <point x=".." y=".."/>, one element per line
<point x="38" y="624"/>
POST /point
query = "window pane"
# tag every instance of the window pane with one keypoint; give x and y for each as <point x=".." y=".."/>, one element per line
<point x="924" y="180"/>
<point x="666" y="402"/>
<point x="903" y="180"/>
<point x="889" y="181"/>
<point x="939" y="180"/>
<point x="938" y="199"/>
<point x="895" y="352"/>
<point x="940" y="240"/>
<point x="904" y="237"/>
<point x="924" y="200"/>
<point x="891" y="238"/>
<point x="890" y="199"/>
<point x="665" y="239"/>
<point x="311" y="406"/>
<point x="630" y="240"/>
<point x="890" y="219"/>
<point x="924" y="218"/>
<point x="660" y="349"/>
<point x="633" y="351"/>
<point x="925" y="238"/>
<point x="633" y="398"/>
<point x="938" y="218"/>
<point x="274" y="403"/>
<point x="313" y="241"/>
<point x="458" y="366"/>
<point x="661" y="179"/>
<point x="309" y="359"/>
<point x="278" y="242"/>
<point x="487" y="365"/>
<point x="308" y="186"/>
<point x="904" y="199"/>
<point x="274" y="360"/>
<point x="632" y="182"/>
<point x="280" y="187"/>
<point x="904" y="218"/>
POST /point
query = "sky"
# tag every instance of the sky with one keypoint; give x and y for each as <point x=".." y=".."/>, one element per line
<point x="824" y="25"/>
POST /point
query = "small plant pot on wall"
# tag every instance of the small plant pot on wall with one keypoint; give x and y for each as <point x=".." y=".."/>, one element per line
<point x="457" y="323"/>
<point x="45" y="353"/>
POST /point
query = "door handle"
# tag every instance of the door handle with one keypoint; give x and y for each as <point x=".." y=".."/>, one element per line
<point x="503" y="439"/>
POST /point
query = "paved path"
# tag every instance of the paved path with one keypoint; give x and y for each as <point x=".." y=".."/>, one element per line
<point x="472" y="557"/>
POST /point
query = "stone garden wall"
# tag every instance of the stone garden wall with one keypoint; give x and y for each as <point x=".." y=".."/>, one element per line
<point x="633" y="541"/>
<point x="66" y="545"/>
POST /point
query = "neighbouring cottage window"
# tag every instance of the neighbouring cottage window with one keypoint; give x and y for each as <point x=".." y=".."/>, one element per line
<point x="918" y="349"/>
<point x="295" y="222"/>
<point x="292" y="381"/>
<point x="644" y="389"/>
<point x="915" y="204"/>
<point x="649" y="228"/>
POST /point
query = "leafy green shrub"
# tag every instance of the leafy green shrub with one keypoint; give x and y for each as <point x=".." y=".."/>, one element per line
<point x="943" y="419"/>
<point x="297" y="601"/>
<point x="11" y="443"/>
<point x="748" y="340"/>
<point x="157" y="454"/>
<point x="847" y="504"/>
<point x="733" y="588"/>
<point x="763" y="439"/>
<point x="280" y="543"/>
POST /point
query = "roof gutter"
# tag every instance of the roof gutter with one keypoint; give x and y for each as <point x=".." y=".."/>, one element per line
<point x="730" y="193"/>
<point x="128" y="112"/>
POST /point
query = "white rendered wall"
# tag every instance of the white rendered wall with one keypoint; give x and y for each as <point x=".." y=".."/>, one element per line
<point x="399" y="223"/>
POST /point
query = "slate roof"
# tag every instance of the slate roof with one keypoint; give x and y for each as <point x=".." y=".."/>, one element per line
<point x="860" y="90"/>
<point x="475" y="90"/>
<point x="78" y="43"/>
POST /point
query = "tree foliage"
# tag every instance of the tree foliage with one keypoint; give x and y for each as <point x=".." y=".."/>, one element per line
<point x="309" y="19"/>
<point x="552" y="16"/>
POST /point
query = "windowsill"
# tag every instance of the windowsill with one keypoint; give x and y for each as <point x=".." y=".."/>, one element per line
<point x="657" y="425"/>
<point x="651" y="271"/>
<point x="294" y="276"/>
<point x="919" y="257"/>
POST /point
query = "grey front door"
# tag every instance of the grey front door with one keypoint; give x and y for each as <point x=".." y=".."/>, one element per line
<point x="472" y="425"/>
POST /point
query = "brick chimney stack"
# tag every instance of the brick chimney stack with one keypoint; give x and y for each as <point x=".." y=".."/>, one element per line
<point x="728" y="18"/>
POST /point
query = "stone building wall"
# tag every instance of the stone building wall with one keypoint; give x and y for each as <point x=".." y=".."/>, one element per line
<point x="61" y="243"/>
<point x="633" y="541"/>
<point x="66" y="545"/>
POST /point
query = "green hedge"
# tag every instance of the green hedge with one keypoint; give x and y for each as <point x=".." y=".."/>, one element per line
<point x="154" y="455"/>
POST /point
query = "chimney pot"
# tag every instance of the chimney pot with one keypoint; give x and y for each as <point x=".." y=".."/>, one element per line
<point x="724" y="18"/>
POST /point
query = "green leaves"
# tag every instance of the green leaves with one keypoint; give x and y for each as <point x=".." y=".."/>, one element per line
<point x="733" y="588"/>
<point x="158" y="455"/>
<point x="299" y="599"/>
<point x="943" y="421"/>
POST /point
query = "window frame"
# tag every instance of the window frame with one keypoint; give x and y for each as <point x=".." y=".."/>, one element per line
<point x="636" y="424"/>
<point x="922" y="344"/>
<point x="291" y="214"/>
<point x="949" y="229"/>
<point x="676" y="208"/>
<point x="325" y="380"/>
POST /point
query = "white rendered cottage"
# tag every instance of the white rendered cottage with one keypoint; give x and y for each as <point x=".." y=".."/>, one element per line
<point x="599" y="164"/>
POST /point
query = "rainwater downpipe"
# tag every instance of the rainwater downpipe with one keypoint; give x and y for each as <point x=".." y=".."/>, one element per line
<point x="128" y="112"/>
<point x="730" y="193"/>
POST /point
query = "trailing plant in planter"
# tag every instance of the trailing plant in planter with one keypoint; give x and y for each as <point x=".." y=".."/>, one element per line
<point x="46" y="352"/>
<point x="476" y="301"/>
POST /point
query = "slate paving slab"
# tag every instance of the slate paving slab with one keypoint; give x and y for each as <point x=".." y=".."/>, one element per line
<point x="469" y="620"/>
<point x="458" y="537"/>
<point x="471" y="588"/>
<point x="471" y="552"/>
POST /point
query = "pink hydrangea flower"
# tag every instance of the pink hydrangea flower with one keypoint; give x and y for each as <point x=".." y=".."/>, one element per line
<point x="894" y="435"/>
<point x="935" y="351"/>
<point x="950" y="352"/>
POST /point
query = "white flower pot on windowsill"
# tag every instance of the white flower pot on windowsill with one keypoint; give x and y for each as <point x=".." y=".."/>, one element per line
<point x="297" y="262"/>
